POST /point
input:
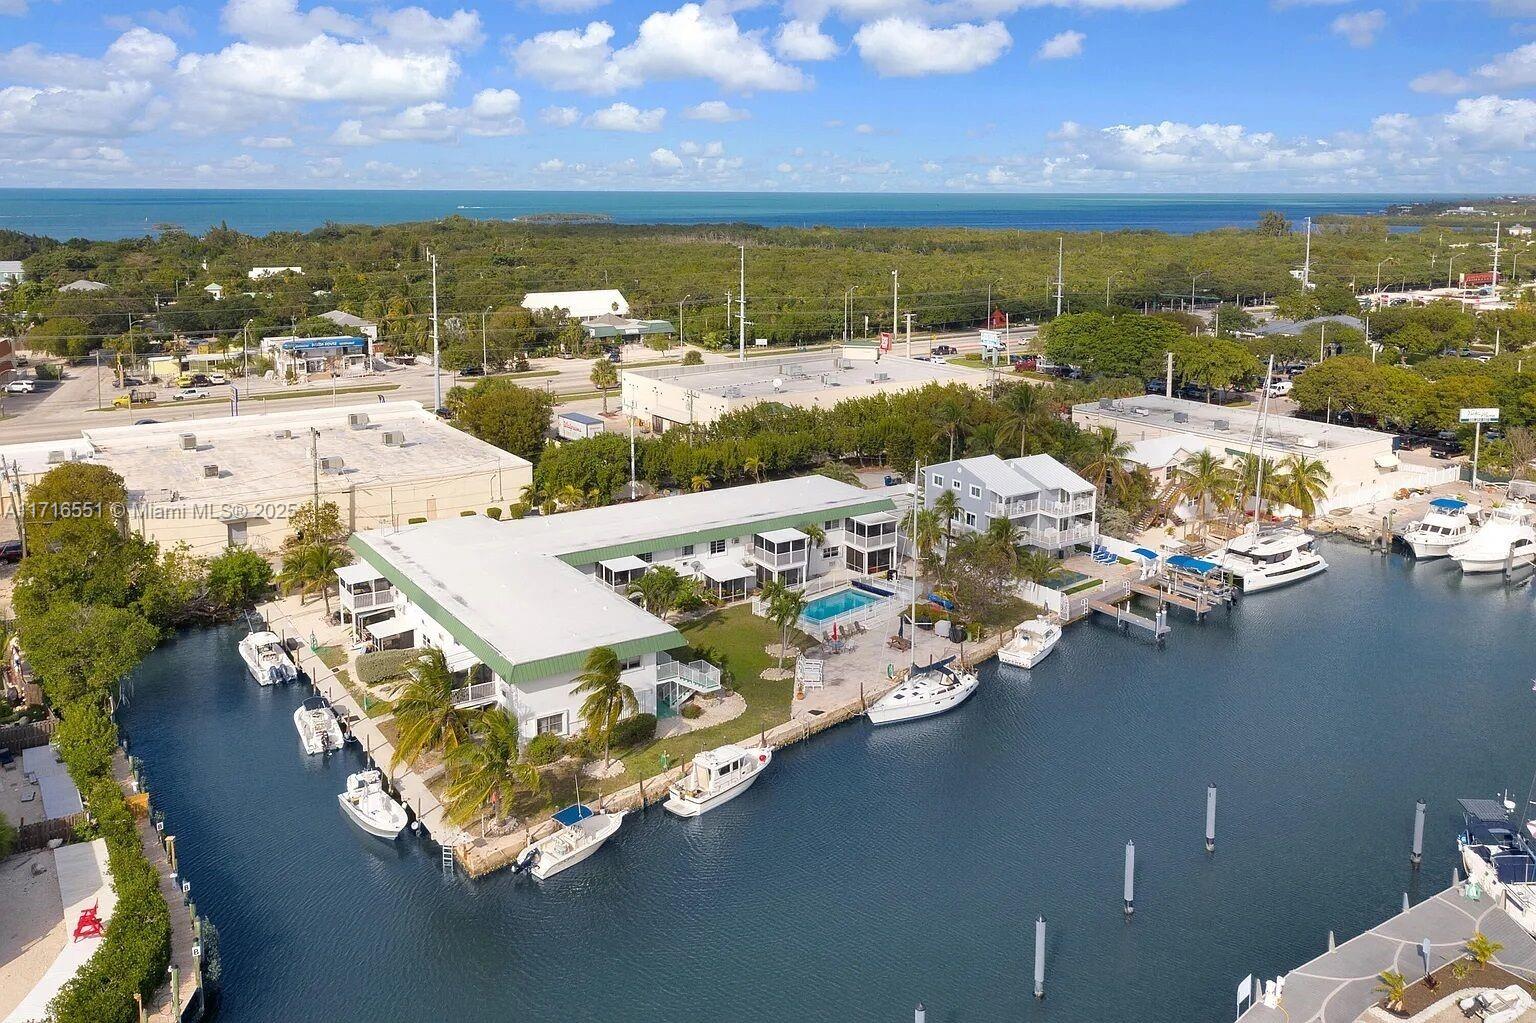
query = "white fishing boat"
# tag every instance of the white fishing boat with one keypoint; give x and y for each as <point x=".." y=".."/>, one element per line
<point x="582" y="833"/>
<point x="1264" y="559"/>
<point x="1505" y="539"/>
<point x="319" y="730"/>
<point x="715" y="777"/>
<point x="267" y="659"/>
<point x="932" y="690"/>
<point x="1445" y="525"/>
<point x="1032" y="643"/>
<point x="371" y="807"/>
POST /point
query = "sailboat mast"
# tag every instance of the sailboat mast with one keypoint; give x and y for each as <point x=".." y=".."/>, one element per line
<point x="1258" y="486"/>
<point x="917" y="485"/>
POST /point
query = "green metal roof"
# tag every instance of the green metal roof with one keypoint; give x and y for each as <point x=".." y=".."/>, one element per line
<point x="528" y="671"/>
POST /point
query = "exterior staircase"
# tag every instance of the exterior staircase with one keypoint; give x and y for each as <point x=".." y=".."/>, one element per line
<point x="1161" y="507"/>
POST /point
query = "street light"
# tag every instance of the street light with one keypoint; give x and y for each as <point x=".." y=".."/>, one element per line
<point x="1107" y="282"/>
<point x="895" y="291"/>
<point x="1192" y="279"/>
<point x="485" y="367"/>
<point x="1448" y="264"/>
<point x="848" y="312"/>
<point x="681" y="338"/>
<point x="1384" y="262"/>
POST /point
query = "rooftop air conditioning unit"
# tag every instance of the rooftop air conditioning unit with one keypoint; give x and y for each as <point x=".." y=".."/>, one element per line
<point x="1181" y="417"/>
<point x="331" y="464"/>
<point x="283" y="435"/>
<point x="189" y="442"/>
<point x="357" y="420"/>
<point x="210" y="472"/>
<point x="1106" y="403"/>
<point x="57" y="457"/>
<point x="1139" y="411"/>
<point x="1222" y="424"/>
<point x="394" y="438"/>
<point x="1306" y="442"/>
<point x="882" y="377"/>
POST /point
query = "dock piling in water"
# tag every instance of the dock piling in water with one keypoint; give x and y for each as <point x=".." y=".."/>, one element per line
<point x="1418" y="835"/>
<point x="1210" y="818"/>
<point x="1130" y="878"/>
<point x="919" y="1014"/>
<point x="1040" y="956"/>
<point x="1406" y="905"/>
<point x="1330" y="940"/>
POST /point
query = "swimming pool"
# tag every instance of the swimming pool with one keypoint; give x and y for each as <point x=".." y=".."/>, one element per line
<point x="830" y="605"/>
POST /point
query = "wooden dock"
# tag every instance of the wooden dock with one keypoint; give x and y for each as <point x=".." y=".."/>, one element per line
<point x="1126" y="618"/>
<point x="1200" y="605"/>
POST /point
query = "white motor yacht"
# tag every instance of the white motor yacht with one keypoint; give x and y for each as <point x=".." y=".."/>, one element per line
<point x="372" y="808"/>
<point x="1445" y="525"/>
<point x="319" y="730"/>
<point x="1505" y="538"/>
<point x="1268" y="558"/>
<point x="1032" y="642"/>
<point x="926" y="692"/>
<point x="715" y="778"/>
<point x="583" y="832"/>
<point x="267" y="659"/>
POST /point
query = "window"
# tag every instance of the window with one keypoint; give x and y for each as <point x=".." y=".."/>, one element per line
<point x="687" y="550"/>
<point x="970" y="518"/>
<point x="646" y="557"/>
<point x="630" y="663"/>
<point x="717" y="546"/>
<point x="829" y="552"/>
<point x="955" y="483"/>
<point x="831" y="524"/>
<point x="975" y="492"/>
<point x="237" y="533"/>
<point x="938" y="480"/>
<point x="554" y="724"/>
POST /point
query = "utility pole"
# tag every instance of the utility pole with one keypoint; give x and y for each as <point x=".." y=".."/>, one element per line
<point x="1497" y="237"/>
<point x="895" y="292"/>
<point x="1168" y="379"/>
<point x="1306" y="267"/>
<point x="437" y="362"/>
<point x="485" y="366"/>
<point x="681" y="337"/>
<point x="741" y="301"/>
<point x="13" y="475"/>
<point x="909" y="335"/>
<point x="314" y="458"/>
<point x="1061" y="264"/>
<point x="848" y="312"/>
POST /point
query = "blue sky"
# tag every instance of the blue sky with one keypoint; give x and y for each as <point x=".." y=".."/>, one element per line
<point x="857" y="95"/>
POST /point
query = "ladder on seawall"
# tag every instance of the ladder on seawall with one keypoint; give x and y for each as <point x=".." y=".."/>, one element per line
<point x="448" y="865"/>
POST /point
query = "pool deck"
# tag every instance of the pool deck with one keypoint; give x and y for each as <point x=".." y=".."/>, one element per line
<point x="1339" y="986"/>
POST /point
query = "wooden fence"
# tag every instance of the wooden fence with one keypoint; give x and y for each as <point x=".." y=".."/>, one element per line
<point x="25" y="736"/>
<point x="39" y="834"/>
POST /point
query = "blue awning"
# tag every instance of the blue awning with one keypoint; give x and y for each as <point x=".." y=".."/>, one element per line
<point x="1149" y="555"/>
<point x="1189" y="564"/>
<point x="574" y="814"/>
<point x="1448" y="504"/>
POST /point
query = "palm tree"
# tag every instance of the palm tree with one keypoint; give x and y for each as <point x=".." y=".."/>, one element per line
<point x="1002" y="533"/>
<point x="655" y="588"/>
<point x="1394" y="985"/>
<point x="840" y="471"/>
<point x="687" y="595"/>
<point x="425" y="713"/>
<point x="570" y="496"/>
<point x="1246" y="481"/>
<point x="949" y="417"/>
<point x="1038" y="567"/>
<point x="603" y="377"/>
<point x="699" y="484"/>
<point x="1022" y="409"/>
<point x="947" y="505"/>
<point x="489" y="770"/>
<point x="1482" y="948"/>
<point x="1104" y="455"/>
<point x="784" y="610"/>
<point x="607" y="697"/>
<point x="1302" y="483"/>
<point x="814" y="533"/>
<point x="753" y="466"/>
<point x="927" y="534"/>
<point x="312" y="569"/>
<point x="1206" y="481"/>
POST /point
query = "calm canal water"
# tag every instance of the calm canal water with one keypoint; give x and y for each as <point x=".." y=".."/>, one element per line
<point x="873" y="869"/>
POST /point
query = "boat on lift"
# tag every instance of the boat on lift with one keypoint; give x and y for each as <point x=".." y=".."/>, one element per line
<point x="715" y="777"/>
<point x="1032" y="643"/>
<point x="266" y="658"/>
<point x="1446" y="524"/>
<point x="582" y="833"/>
<point x="1505" y="539"/>
<point x="319" y="729"/>
<point x="371" y="807"/>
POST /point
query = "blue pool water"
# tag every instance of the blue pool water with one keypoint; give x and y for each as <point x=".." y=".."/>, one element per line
<point x="831" y="605"/>
<point x="874" y="868"/>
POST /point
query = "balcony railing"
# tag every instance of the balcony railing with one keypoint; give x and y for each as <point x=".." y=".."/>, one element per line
<point x="1075" y="506"/>
<point x="1055" y="538"/>
<point x="869" y="543"/>
<point x="364" y="601"/>
<point x="477" y="694"/>
<point x="1011" y="509"/>
<point x="788" y="559"/>
<point x="699" y="676"/>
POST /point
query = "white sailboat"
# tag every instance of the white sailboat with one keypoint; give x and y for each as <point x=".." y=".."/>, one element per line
<point x="267" y="659"/>
<point x="1262" y="559"/>
<point x="1032" y="643"/>
<point x="319" y="730"/>
<point x="933" y="690"/>
<point x="715" y="778"/>
<point x="1505" y="539"/>
<point x="370" y="807"/>
<point x="583" y="832"/>
<point x="1443" y="526"/>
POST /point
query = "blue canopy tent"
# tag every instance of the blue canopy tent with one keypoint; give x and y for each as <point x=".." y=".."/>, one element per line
<point x="1185" y="563"/>
<point x="1143" y="552"/>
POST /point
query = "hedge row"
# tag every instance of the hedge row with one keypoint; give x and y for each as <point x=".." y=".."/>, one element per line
<point x="383" y="665"/>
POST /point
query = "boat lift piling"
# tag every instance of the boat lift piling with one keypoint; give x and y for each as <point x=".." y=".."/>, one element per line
<point x="1406" y="904"/>
<point x="1210" y="818"/>
<point x="1130" y="879"/>
<point x="919" y="1014"/>
<point x="1040" y="956"/>
<point x="1417" y="857"/>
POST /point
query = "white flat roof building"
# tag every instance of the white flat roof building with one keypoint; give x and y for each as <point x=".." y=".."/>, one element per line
<point x="580" y="305"/>
<point x="211" y="482"/>
<point x="667" y="396"/>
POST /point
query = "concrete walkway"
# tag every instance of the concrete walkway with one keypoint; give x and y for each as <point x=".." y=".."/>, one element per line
<point x="1340" y="985"/>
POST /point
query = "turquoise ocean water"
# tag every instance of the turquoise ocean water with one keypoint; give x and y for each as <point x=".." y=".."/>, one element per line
<point x="128" y="213"/>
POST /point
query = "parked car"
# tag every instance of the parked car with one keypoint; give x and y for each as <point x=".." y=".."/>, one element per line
<point x="1279" y="388"/>
<point x="189" y="392"/>
<point x="145" y="422"/>
<point x="217" y="378"/>
<point x="1446" y="449"/>
<point x="21" y="387"/>
<point x="472" y="371"/>
<point x="443" y="412"/>
<point x="1409" y="442"/>
<point x="10" y="551"/>
<point x="945" y="350"/>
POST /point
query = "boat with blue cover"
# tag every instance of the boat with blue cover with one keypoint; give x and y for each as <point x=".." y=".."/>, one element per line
<point x="1446" y="524"/>
<point x="582" y="833"/>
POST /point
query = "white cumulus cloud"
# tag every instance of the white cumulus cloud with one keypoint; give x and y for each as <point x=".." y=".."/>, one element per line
<point x="1359" y="28"/>
<point x="715" y="110"/>
<point x="626" y="117"/>
<point x="560" y="117"/>
<point x="906" y="47"/>
<point x="1062" y="46"/>
<point x="804" y="40"/>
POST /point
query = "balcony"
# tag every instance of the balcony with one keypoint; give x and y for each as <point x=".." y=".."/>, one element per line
<point x="698" y="676"/>
<point x="879" y="542"/>
<point x="366" y="601"/>
<point x="1082" y="505"/>
<point x="1054" y="539"/>
<point x="477" y="694"/>
<point x="788" y="559"/>
<point x="1011" y="509"/>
